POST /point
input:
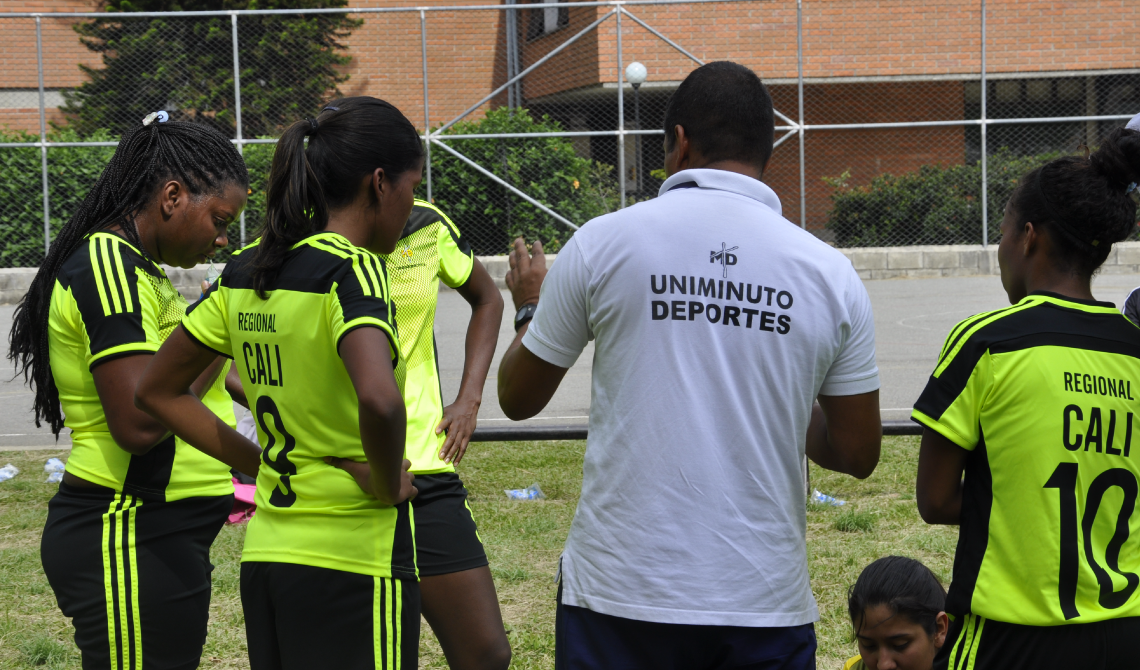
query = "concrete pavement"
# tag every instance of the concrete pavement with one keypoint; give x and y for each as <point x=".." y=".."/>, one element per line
<point x="912" y="316"/>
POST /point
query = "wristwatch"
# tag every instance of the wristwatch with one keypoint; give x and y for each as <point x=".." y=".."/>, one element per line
<point x="525" y="314"/>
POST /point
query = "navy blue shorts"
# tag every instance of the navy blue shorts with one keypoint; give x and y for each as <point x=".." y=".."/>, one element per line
<point x="587" y="640"/>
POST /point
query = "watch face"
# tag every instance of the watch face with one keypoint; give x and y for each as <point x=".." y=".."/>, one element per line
<point x="523" y="311"/>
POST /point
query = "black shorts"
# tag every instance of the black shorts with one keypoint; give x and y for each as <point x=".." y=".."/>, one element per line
<point x="133" y="576"/>
<point x="976" y="643"/>
<point x="446" y="537"/>
<point x="300" y="617"/>
<point x="588" y="640"/>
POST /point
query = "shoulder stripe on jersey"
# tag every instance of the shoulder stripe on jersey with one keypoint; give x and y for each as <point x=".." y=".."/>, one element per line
<point x="371" y="271"/>
<point x="106" y="250"/>
<point x="975" y="326"/>
<point x="110" y="274"/>
<point x="364" y="264"/>
<point x="324" y="245"/>
<point x="956" y="334"/>
<point x="93" y="249"/>
<point x="382" y="272"/>
<point x="128" y="305"/>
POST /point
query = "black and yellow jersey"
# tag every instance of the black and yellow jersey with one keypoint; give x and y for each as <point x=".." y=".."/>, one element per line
<point x="1042" y="396"/>
<point x="430" y="250"/>
<point x="110" y="301"/>
<point x="285" y="348"/>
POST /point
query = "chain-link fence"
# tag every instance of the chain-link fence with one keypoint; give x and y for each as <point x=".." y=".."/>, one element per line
<point x="898" y="123"/>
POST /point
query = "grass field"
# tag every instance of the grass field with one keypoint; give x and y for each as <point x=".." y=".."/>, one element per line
<point x="523" y="539"/>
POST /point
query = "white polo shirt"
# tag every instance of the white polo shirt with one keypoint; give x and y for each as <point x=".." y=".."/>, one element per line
<point x="716" y="323"/>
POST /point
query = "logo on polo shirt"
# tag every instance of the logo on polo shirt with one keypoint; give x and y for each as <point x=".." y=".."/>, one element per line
<point x="724" y="257"/>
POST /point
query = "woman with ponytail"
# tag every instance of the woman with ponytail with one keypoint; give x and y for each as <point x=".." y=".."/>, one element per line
<point x="1030" y="417"/>
<point x="127" y="541"/>
<point x="328" y="575"/>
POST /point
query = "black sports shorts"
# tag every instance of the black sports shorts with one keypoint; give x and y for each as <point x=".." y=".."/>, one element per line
<point x="977" y="643"/>
<point x="133" y="576"/>
<point x="588" y="640"/>
<point x="300" y="617"/>
<point x="446" y="537"/>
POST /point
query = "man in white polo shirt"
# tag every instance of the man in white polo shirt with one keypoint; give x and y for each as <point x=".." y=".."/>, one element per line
<point x="717" y="323"/>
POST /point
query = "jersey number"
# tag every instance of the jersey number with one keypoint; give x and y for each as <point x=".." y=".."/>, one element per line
<point x="1064" y="479"/>
<point x="282" y="495"/>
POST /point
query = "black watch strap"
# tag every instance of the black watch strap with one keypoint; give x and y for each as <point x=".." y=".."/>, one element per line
<point x="525" y="314"/>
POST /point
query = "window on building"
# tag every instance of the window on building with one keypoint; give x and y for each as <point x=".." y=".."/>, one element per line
<point x="1065" y="96"/>
<point x="547" y="20"/>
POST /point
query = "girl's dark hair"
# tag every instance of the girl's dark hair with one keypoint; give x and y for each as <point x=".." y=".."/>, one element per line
<point x="196" y="155"/>
<point x="905" y="585"/>
<point x="1083" y="202"/>
<point x="349" y="139"/>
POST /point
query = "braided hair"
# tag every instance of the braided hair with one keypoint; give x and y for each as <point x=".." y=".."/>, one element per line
<point x="1084" y="202"/>
<point x="349" y="139"/>
<point x="198" y="156"/>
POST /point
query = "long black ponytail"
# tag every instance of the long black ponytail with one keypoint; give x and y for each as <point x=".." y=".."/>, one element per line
<point x="349" y="139"/>
<point x="196" y="155"/>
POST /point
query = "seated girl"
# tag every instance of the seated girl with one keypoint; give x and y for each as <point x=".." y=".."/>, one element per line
<point x="897" y="613"/>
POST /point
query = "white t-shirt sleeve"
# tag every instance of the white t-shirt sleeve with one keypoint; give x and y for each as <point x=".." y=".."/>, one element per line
<point x="854" y="370"/>
<point x="560" y="328"/>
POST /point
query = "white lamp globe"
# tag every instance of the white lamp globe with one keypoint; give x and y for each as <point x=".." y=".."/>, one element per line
<point x="635" y="73"/>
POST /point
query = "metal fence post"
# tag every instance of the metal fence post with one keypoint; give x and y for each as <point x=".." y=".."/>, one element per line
<point x="621" y="110"/>
<point x="237" y="105"/>
<point x="43" y="134"/>
<point x="427" y="117"/>
<point x="510" y="27"/>
<point x="985" y="158"/>
<point x="800" y="93"/>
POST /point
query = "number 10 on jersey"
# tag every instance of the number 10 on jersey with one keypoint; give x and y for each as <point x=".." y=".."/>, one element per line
<point x="1064" y="479"/>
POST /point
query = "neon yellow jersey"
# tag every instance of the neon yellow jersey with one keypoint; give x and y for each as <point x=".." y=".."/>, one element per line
<point x="285" y="348"/>
<point x="110" y="301"/>
<point x="430" y="250"/>
<point x="1041" y="395"/>
<point x="855" y="663"/>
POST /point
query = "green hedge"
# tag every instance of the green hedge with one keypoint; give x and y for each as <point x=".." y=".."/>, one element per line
<point x="71" y="172"/>
<point x="935" y="205"/>
<point x="547" y="168"/>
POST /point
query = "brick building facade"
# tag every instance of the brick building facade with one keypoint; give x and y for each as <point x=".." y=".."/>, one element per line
<point x="865" y="61"/>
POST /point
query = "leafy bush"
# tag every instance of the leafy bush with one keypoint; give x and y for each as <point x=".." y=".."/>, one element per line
<point x="935" y="205"/>
<point x="71" y="173"/>
<point x="546" y="168"/>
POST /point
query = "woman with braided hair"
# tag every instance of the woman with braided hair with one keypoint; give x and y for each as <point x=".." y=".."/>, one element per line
<point x="1030" y="418"/>
<point x="127" y="540"/>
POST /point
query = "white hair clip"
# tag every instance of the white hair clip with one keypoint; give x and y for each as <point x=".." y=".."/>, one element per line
<point x="161" y="117"/>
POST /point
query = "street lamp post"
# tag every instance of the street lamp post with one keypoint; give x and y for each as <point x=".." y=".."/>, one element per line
<point x="636" y="74"/>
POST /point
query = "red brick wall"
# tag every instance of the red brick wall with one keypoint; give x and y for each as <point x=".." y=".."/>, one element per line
<point x="842" y="38"/>
<point x="866" y="153"/>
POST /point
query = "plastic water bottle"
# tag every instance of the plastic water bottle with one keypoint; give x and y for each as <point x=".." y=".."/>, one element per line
<point x="824" y="499"/>
<point x="8" y="471"/>
<point x="54" y="469"/>
<point x="532" y="492"/>
<point x="212" y="273"/>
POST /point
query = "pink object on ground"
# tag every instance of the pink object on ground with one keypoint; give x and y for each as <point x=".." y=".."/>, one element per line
<point x="244" y="506"/>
